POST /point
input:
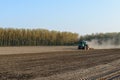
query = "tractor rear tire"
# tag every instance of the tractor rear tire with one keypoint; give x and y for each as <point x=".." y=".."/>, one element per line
<point x="86" y="48"/>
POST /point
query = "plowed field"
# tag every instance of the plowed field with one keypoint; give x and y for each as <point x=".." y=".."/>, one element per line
<point x="70" y="64"/>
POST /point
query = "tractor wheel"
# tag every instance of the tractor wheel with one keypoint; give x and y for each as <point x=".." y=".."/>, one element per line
<point x="86" y="48"/>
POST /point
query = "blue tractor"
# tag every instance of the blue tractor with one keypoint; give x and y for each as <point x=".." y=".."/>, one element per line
<point x="83" y="45"/>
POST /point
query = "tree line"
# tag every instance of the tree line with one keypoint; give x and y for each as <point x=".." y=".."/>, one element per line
<point x="41" y="37"/>
<point x="36" y="37"/>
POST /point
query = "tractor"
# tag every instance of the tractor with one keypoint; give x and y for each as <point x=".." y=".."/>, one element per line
<point x="83" y="45"/>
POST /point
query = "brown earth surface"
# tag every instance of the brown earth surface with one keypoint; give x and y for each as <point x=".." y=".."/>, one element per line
<point x="35" y="49"/>
<point x="68" y="64"/>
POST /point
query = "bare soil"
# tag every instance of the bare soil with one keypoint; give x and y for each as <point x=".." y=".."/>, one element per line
<point x="35" y="49"/>
<point x="68" y="64"/>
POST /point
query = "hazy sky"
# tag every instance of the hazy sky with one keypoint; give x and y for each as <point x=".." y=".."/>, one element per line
<point x="81" y="16"/>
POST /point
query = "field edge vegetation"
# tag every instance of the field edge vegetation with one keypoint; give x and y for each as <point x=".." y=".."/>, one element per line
<point x="44" y="37"/>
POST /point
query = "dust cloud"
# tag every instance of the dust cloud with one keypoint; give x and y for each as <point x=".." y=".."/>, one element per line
<point x="108" y="44"/>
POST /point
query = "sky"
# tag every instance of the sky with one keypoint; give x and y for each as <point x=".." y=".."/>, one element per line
<point x="79" y="16"/>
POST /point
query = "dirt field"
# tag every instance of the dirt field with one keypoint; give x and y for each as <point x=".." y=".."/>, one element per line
<point x="35" y="49"/>
<point x="61" y="64"/>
